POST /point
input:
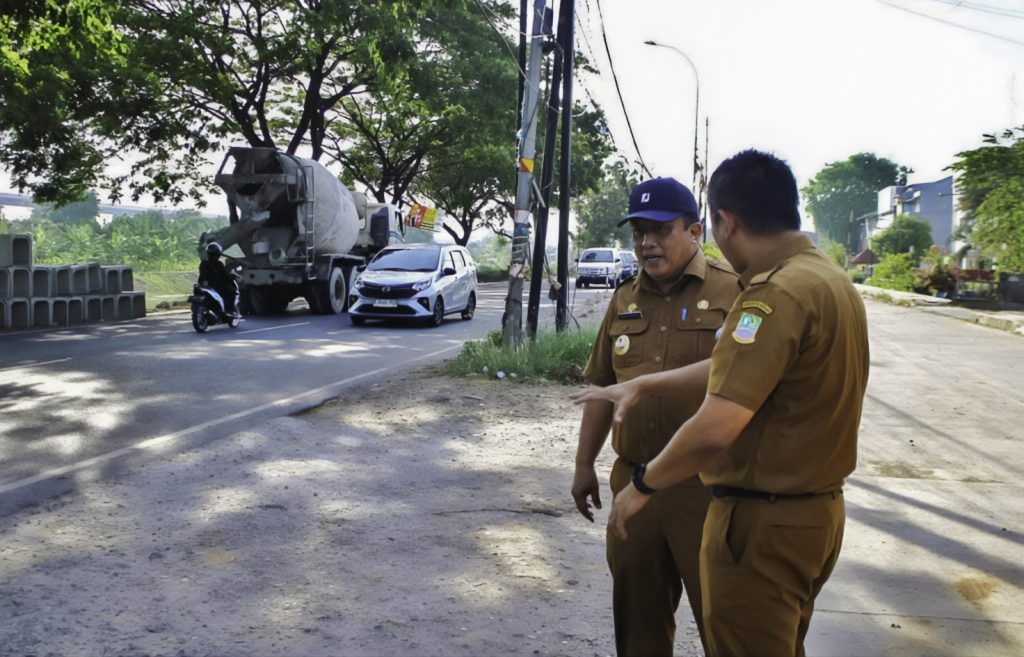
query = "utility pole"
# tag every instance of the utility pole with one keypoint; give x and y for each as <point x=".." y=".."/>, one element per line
<point x="512" y="319"/>
<point x="550" y="134"/>
<point x="568" y="61"/>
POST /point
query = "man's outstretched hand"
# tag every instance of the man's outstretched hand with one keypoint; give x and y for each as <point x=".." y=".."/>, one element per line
<point x="622" y="395"/>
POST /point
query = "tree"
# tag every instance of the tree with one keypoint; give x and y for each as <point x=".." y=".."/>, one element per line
<point x="182" y="78"/>
<point x="599" y="211"/>
<point x="455" y="92"/>
<point x="895" y="272"/>
<point x="907" y="234"/>
<point x="843" y="191"/>
<point x="991" y="184"/>
<point x="76" y="212"/>
<point x="64" y="81"/>
<point x="835" y="251"/>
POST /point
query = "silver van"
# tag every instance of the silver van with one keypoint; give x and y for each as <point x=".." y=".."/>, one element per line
<point x="419" y="282"/>
<point x="599" y="267"/>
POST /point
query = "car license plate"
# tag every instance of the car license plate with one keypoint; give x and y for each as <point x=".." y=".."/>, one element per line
<point x="385" y="303"/>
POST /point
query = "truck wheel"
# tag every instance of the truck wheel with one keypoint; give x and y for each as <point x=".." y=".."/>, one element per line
<point x="332" y="293"/>
<point x="260" y="301"/>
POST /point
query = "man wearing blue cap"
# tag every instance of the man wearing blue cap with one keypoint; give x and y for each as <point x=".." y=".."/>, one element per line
<point x="665" y="317"/>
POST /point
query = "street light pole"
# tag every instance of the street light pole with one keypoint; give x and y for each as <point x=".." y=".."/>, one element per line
<point x="696" y="107"/>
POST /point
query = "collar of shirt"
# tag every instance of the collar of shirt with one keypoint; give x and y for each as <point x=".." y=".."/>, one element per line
<point x="697" y="268"/>
<point x="770" y="259"/>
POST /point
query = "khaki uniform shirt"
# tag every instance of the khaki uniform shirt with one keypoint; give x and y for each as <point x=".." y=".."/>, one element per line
<point x="645" y="331"/>
<point x="794" y="349"/>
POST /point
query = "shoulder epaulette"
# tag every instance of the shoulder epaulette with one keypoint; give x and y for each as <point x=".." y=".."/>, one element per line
<point x="765" y="276"/>
<point x="723" y="267"/>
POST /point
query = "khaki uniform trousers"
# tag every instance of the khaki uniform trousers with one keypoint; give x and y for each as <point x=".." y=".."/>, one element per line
<point x="762" y="565"/>
<point x="650" y="569"/>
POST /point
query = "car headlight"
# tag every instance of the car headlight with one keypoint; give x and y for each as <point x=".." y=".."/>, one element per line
<point x="422" y="285"/>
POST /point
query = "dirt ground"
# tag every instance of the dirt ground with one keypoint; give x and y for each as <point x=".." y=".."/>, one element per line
<point x="425" y="516"/>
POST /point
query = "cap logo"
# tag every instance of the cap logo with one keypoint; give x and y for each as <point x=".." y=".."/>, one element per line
<point x="645" y="197"/>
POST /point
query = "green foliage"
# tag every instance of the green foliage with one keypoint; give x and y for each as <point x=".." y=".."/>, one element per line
<point x="907" y="234"/>
<point x="712" y="251"/>
<point x="844" y="191"/>
<point x="492" y="255"/>
<point x="149" y="241"/>
<point x="85" y="211"/>
<point x="53" y="56"/>
<point x="598" y="211"/>
<point x="558" y="356"/>
<point x="835" y="251"/>
<point x="895" y="272"/>
<point x="991" y="182"/>
<point x="856" y="275"/>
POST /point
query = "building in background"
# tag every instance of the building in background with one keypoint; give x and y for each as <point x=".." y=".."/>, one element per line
<point x="929" y="201"/>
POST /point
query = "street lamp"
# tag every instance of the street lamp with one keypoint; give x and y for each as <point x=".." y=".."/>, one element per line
<point x="696" y="107"/>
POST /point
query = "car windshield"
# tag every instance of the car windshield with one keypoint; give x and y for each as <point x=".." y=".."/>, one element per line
<point x="597" y="256"/>
<point x="405" y="260"/>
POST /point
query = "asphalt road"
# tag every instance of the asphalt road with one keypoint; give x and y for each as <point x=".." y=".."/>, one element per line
<point x="98" y="396"/>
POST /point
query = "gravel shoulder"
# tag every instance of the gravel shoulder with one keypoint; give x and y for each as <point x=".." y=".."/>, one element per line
<point x="425" y="516"/>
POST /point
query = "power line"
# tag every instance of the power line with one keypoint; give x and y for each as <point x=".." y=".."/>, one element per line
<point x="945" y="22"/>
<point x="986" y="9"/>
<point x="611" y="65"/>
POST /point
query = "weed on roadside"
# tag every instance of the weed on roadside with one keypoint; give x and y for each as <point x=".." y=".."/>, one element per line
<point x="551" y="357"/>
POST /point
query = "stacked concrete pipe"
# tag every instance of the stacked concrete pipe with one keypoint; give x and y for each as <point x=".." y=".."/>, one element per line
<point x="42" y="296"/>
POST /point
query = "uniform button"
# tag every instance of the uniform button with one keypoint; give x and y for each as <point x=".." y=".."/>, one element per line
<point x="698" y="320"/>
<point x="657" y="359"/>
<point x="650" y="425"/>
<point x="668" y="299"/>
<point x="664" y="328"/>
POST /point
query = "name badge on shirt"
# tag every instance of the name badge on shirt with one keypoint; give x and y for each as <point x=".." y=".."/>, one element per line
<point x="636" y="314"/>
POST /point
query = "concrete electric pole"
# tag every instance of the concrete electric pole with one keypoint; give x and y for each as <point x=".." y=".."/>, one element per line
<point x="512" y="319"/>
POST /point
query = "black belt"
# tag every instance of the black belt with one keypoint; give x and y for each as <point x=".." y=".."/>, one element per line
<point x="729" y="491"/>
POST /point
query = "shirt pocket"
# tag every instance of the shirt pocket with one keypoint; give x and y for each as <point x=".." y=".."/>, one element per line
<point x="696" y="335"/>
<point x="627" y="336"/>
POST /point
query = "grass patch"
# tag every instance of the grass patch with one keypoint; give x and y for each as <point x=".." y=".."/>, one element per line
<point x="551" y="357"/>
<point x="164" y="286"/>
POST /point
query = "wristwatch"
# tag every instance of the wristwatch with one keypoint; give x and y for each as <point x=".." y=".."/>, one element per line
<point x="638" y="480"/>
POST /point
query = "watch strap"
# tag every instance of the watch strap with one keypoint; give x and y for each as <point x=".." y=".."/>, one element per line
<point x="638" y="480"/>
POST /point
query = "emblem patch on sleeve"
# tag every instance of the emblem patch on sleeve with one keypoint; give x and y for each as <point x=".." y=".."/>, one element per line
<point x="746" y="330"/>
<point x="621" y="345"/>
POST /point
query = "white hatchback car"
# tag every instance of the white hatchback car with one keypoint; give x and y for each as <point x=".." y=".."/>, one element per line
<point x="421" y="282"/>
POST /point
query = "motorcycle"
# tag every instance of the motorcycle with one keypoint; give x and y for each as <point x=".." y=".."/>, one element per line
<point x="208" y="309"/>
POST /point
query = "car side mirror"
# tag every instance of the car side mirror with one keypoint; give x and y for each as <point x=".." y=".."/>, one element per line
<point x="448" y="271"/>
<point x="618" y="260"/>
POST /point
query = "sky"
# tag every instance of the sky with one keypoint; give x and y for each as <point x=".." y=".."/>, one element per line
<point x="813" y="81"/>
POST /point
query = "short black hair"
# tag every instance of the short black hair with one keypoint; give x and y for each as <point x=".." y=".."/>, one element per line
<point x="760" y="189"/>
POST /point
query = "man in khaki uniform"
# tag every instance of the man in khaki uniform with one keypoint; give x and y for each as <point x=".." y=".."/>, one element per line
<point x="665" y="317"/>
<point x="777" y="433"/>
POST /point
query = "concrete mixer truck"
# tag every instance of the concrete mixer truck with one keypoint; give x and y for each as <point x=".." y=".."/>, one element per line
<point x="302" y="232"/>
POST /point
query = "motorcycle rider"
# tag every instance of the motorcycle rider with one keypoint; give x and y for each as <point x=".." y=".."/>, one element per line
<point x="213" y="274"/>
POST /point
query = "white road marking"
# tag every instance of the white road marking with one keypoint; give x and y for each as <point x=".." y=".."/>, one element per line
<point x="150" y="443"/>
<point x="23" y="365"/>
<point x="273" y="328"/>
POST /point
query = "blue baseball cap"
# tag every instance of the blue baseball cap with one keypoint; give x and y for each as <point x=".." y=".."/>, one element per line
<point x="660" y="199"/>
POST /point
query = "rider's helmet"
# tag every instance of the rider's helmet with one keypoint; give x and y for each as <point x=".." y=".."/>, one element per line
<point x="213" y="250"/>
